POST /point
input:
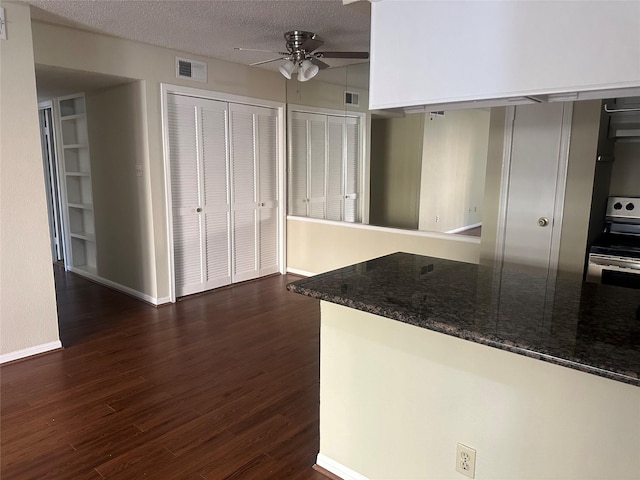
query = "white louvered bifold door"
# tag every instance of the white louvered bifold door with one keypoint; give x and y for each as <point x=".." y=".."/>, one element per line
<point x="244" y="192"/>
<point x="317" y="165"/>
<point x="298" y="162"/>
<point x="336" y="139"/>
<point x="352" y="171"/>
<point x="196" y="145"/>
<point x="216" y="197"/>
<point x="254" y="179"/>
<point x="266" y="122"/>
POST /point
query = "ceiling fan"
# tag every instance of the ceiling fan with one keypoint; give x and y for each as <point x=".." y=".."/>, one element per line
<point x="301" y="53"/>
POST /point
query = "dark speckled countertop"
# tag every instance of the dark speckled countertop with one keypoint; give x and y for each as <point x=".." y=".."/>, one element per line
<point x="588" y="327"/>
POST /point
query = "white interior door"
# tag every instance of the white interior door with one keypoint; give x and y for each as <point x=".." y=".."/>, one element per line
<point x="198" y="161"/>
<point x="539" y="153"/>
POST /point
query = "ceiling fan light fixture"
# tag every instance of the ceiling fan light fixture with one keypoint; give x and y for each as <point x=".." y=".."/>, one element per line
<point x="307" y="71"/>
<point x="287" y="69"/>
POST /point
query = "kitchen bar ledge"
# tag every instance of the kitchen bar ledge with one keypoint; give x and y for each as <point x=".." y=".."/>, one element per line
<point x="587" y="327"/>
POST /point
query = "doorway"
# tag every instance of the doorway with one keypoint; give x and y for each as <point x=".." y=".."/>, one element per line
<point x="51" y="181"/>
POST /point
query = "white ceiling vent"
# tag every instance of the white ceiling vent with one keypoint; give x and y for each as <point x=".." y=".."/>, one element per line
<point x="191" y="69"/>
<point x="351" y="98"/>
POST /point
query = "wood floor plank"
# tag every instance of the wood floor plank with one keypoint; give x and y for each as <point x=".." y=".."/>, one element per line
<point x="223" y="384"/>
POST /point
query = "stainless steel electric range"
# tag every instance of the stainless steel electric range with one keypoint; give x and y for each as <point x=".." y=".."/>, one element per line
<point x="615" y="258"/>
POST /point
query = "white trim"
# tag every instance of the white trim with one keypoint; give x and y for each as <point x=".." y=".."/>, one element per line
<point x="303" y="273"/>
<point x="166" y="88"/>
<point x="465" y="228"/>
<point x="338" y="469"/>
<point x="121" y="288"/>
<point x="30" y="351"/>
<point x="397" y="231"/>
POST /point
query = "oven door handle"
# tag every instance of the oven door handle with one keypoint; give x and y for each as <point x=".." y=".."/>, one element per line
<point x="609" y="262"/>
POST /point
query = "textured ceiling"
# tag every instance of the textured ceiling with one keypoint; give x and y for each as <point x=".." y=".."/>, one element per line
<point x="213" y="28"/>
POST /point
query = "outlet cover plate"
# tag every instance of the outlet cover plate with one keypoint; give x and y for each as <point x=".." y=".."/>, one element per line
<point x="466" y="460"/>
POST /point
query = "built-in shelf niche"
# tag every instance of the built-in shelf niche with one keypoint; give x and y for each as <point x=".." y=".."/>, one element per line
<point x="78" y="190"/>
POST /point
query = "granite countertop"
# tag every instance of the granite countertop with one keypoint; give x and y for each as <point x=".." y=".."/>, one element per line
<point x="589" y="327"/>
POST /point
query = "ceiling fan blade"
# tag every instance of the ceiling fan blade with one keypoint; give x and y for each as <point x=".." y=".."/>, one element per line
<point x="359" y="55"/>
<point x="267" y="61"/>
<point x="319" y="63"/>
<point x="258" y="50"/>
<point x="310" y="44"/>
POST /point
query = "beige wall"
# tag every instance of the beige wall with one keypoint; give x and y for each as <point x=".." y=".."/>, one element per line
<point x="116" y="119"/>
<point x="396" y="158"/>
<point x="317" y="246"/>
<point x="396" y="399"/>
<point x="454" y="162"/>
<point x="74" y="49"/>
<point x="28" y="316"/>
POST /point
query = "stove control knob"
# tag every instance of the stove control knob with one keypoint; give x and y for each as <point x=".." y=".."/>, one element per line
<point x="630" y="206"/>
<point x="617" y="206"/>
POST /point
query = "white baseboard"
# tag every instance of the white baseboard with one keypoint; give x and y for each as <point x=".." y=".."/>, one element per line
<point x="27" y="352"/>
<point x="122" y="288"/>
<point x="295" y="271"/>
<point x="162" y="300"/>
<point x="338" y="469"/>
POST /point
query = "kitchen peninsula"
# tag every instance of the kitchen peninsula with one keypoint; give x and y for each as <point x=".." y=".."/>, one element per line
<point x="419" y="354"/>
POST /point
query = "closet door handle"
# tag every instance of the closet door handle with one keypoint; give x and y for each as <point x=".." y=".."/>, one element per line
<point x="198" y="209"/>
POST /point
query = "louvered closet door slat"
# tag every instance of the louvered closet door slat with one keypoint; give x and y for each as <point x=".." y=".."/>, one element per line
<point x="183" y="154"/>
<point x="298" y="164"/>
<point x="243" y="172"/>
<point x="216" y="207"/>
<point x="268" y="241"/>
<point x="243" y="157"/>
<point x="335" y="143"/>
<point x="352" y="202"/>
<point x="187" y="254"/>
<point x="183" y="162"/>
<point x="317" y="159"/>
<point x="267" y="133"/>
<point x="218" y="269"/>
<point x="244" y="248"/>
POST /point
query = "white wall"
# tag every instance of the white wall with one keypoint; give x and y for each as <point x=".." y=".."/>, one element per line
<point x="464" y="51"/>
<point x="395" y="400"/>
<point x="28" y="318"/>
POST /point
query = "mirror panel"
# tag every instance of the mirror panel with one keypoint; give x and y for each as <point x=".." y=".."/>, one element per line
<point x="420" y="171"/>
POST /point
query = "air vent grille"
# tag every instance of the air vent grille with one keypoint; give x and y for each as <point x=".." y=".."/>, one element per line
<point x="351" y="98"/>
<point x="191" y="69"/>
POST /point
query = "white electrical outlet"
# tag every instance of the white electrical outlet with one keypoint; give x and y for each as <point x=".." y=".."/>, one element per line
<point x="466" y="460"/>
<point x="437" y="218"/>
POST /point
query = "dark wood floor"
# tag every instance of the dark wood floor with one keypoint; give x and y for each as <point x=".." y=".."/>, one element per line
<point x="220" y="385"/>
